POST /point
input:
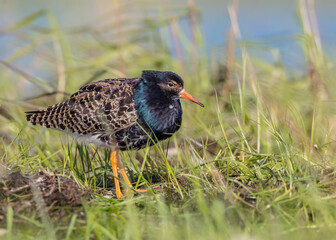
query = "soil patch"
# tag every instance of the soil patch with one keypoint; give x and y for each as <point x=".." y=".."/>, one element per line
<point x="42" y="192"/>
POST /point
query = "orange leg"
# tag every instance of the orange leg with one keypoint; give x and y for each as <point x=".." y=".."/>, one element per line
<point x="124" y="176"/>
<point x="114" y="162"/>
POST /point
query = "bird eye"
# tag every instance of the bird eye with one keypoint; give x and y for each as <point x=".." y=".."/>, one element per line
<point x="171" y="84"/>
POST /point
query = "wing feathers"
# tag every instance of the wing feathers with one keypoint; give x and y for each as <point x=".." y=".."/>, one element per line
<point x="100" y="107"/>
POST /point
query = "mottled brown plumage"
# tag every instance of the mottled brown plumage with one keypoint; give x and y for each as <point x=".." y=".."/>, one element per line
<point x="96" y="112"/>
<point x="121" y="114"/>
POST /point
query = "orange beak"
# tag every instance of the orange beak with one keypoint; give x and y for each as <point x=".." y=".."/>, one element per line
<point x="186" y="95"/>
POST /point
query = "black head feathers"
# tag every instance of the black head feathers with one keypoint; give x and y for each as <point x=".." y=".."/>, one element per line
<point x="150" y="76"/>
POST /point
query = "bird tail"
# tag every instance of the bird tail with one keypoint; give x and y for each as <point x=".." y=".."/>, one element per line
<point x="35" y="117"/>
<point x="48" y="118"/>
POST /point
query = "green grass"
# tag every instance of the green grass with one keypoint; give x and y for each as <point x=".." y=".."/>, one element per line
<point x="256" y="163"/>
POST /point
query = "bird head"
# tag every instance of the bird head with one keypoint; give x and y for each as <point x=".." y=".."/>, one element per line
<point x="170" y="83"/>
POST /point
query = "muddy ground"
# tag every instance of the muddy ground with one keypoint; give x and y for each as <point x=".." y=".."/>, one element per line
<point x="54" y="194"/>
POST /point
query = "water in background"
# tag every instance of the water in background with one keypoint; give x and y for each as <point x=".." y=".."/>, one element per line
<point x="268" y="26"/>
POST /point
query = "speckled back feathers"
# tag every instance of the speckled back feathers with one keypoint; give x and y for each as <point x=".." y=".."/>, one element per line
<point x="103" y="107"/>
<point x="127" y="113"/>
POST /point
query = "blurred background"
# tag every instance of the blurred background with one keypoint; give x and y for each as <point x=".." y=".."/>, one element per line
<point x="273" y="56"/>
<point x="258" y="160"/>
<point x="122" y="37"/>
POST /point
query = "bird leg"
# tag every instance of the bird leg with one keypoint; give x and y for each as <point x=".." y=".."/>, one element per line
<point x="114" y="162"/>
<point x="124" y="176"/>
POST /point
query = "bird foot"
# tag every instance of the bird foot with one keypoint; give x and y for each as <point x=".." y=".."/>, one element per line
<point x="141" y="190"/>
<point x="130" y="189"/>
<point x="120" y="195"/>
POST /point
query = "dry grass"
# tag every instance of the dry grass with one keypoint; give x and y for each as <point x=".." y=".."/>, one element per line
<point x="256" y="163"/>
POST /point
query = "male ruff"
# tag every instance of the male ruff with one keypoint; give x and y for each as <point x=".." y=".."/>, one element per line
<point x="120" y="114"/>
